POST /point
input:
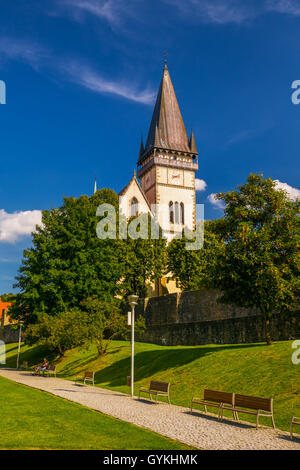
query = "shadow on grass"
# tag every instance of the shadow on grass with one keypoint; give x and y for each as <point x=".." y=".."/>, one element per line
<point x="11" y="349"/>
<point x="150" y="363"/>
<point x="33" y="356"/>
<point x="147" y="363"/>
<point x="73" y="368"/>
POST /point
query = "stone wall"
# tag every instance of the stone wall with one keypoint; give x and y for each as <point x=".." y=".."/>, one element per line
<point x="196" y="317"/>
<point x="8" y="334"/>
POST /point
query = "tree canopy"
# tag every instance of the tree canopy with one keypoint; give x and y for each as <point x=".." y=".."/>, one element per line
<point x="195" y="269"/>
<point x="68" y="263"/>
<point x="259" y="266"/>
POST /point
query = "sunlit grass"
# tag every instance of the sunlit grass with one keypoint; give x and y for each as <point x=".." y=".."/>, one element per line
<point x="253" y="369"/>
<point x="31" y="419"/>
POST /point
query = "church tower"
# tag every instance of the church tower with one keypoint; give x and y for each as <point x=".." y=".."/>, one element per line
<point x="168" y="162"/>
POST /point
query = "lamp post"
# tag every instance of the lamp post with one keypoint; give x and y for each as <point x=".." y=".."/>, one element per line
<point x="132" y="299"/>
<point x="19" y="346"/>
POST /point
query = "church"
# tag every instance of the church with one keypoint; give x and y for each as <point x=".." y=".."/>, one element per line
<point x="164" y="184"/>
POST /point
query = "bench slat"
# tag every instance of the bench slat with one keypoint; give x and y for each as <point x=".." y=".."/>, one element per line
<point x="89" y="375"/>
<point x="159" y="386"/>
<point x="254" y="403"/>
<point x="218" y="397"/>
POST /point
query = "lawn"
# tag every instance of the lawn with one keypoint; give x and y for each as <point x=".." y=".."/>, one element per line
<point x="31" y="419"/>
<point x="253" y="369"/>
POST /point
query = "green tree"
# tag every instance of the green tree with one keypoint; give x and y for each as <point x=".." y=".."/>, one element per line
<point x="144" y="259"/>
<point x="195" y="269"/>
<point x="103" y="322"/>
<point x="8" y="297"/>
<point x="260" y="263"/>
<point x="64" y="331"/>
<point x="69" y="263"/>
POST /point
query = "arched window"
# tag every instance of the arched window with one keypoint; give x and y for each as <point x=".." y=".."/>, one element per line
<point x="176" y="213"/>
<point x="171" y="212"/>
<point x="182" y="213"/>
<point x="134" y="207"/>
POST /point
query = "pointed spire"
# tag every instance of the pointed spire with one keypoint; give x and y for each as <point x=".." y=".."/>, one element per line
<point x="134" y="173"/>
<point x="142" y="148"/>
<point x="193" y="143"/>
<point x="157" y="142"/>
<point x="165" y="66"/>
<point x="95" y="186"/>
<point x="167" y="128"/>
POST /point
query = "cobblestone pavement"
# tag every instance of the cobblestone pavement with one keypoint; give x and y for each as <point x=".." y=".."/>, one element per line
<point x="176" y="422"/>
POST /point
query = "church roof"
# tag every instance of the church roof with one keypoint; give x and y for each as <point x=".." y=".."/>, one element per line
<point x="134" y="181"/>
<point x="167" y="129"/>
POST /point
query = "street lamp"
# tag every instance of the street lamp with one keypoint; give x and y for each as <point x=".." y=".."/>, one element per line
<point x="133" y="300"/>
<point x="19" y="346"/>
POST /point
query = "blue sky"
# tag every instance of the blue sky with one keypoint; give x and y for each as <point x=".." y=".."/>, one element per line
<point x="81" y="78"/>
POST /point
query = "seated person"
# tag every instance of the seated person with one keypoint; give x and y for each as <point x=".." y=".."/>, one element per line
<point x="43" y="367"/>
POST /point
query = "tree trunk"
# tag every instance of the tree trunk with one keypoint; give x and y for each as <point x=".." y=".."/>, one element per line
<point x="267" y="331"/>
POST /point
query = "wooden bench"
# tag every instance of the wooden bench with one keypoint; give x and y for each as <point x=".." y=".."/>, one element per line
<point x="24" y="365"/>
<point x="51" y="370"/>
<point x="294" y="421"/>
<point x="157" y="388"/>
<point x="87" y="377"/>
<point x="251" y="405"/>
<point x="213" y="398"/>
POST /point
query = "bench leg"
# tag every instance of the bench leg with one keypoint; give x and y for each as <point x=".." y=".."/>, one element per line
<point x="219" y="412"/>
<point x="169" y="400"/>
<point x="273" y="422"/>
<point x="291" y="430"/>
<point x="257" y="418"/>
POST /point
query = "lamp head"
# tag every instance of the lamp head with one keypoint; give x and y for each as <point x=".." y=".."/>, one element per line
<point x="133" y="300"/>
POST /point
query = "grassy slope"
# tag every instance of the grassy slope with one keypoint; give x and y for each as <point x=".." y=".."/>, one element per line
<point x="254" y="369"/>
<point x="34" y="419"/>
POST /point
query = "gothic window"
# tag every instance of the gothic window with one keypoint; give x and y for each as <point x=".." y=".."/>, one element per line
<point x="134" y="207"/>
<point x="176" y="213"/>
<point x="171" y="212"/>
<point x="182" y="213"/>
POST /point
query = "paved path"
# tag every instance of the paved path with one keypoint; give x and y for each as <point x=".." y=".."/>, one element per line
<point x="175" y="422"/>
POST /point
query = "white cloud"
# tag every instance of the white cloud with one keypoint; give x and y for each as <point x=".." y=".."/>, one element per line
<point x="18" y="224"/>
<point x="218" y="204"/>
<point x="293" y="193"/>
<point x="106" y="9"/>
<point x="233" y="11"/>
<point x="85" y="76"/>
<point x="23" y="50"/>
<point x="218" y="11"/>
<point x="289" y="7"/>
<point x="200" y="184"/>
<point x="94" y="81"/>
